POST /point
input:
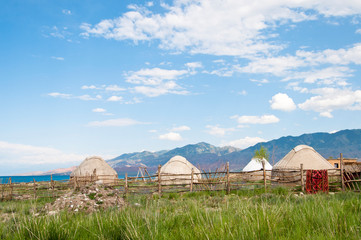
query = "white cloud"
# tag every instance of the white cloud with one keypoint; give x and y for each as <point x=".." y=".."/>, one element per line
<point x="265" y="119"/>
<point x="244" y="142"/>
<point x="283" y="102"/>
<point x="99" y="110"/>
<point x="358" y="31"/>
<point x="238" y="24"/>
<point x="172" y="136"/>
<point x="66" y="11"/>
<point x="194" y="65"/>
<point x="260" y="82"/>
<point x="85" y="87"/>
<point x="115" y="99"/>
<point x="328" y="100"/>
<point x="120" y="122"/>
<point x="180" y="129"/>
<point x="60" y="95"/>
<point x="27" y="154"/>
<point x="69" y="96"/>
<point x="153" y="76"/>
<point x="58" y="58"/>
<point x="218" y="131"/>
<point x="169" y="87"/>
<point x="114" y="88"/>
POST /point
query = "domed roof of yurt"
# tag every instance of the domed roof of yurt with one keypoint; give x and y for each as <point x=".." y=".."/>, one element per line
<point x="178" y="165"/>
<point x="256" y="164"/>
<point x="87" y="167"/>
<point x="306" y="155"/>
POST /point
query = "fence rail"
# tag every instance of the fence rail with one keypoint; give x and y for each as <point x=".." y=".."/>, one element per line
<point x="165" y="183"/>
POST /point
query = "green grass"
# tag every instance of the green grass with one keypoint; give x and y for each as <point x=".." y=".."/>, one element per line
<point x="277" y="214"/>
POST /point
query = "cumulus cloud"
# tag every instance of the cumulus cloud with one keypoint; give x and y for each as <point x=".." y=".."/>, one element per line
<point x="70" y="96"/>
<point x="328" y="100"/>
<point x="244" y="142"/>
<point x="99" y="110"/>
<point x="180" y="128"/>
<point x="283" y="102"/>
<point x="218" y="131"/>
<point x="194" y="65"/>
<point x="66" y="11"/>
<point x="85" y="87"/>
<point x="115" y="99"/>
<point x="171" y="136"/>
<point x="27" y="154"/>
<point x="114" y="88"/>
<point x="264" y="119"/>
<point x="119" y="122"/>
<point x="153" y="82"/>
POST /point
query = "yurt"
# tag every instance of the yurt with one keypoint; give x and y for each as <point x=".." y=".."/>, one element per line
<point x="288" y="168"/>
<point x="94" y="169"/>
<point x="253" y="169"/>
<point x="178" y="171"/>
<point x="256" y="164"/>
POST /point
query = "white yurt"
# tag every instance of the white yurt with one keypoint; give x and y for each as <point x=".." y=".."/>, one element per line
<point x="288" y="168"/>
<point x="95" y="168"/>
<point x="179" y="170"/>
<point x="256" y="164"/>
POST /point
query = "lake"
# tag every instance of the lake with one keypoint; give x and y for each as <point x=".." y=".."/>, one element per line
<point x="25" y="179"/>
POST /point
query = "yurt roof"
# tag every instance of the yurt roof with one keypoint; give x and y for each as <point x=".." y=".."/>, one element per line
<point x="178" y="165"/>
<point x="306" y="155"/>
<point x="256" y="164"/>
<point x="86" y="168"/>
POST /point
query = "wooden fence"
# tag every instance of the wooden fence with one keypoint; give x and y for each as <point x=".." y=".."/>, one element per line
<point x="160" y="183"/>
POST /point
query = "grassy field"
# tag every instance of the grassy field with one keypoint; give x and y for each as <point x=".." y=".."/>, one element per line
<point x="205" y="215"/>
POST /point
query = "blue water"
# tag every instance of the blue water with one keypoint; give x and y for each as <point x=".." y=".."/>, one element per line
<point x="46" y="178"/>
<point x="18" y="179"/>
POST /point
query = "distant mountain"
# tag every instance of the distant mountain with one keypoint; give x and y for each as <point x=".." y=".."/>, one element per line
<point x="207" y="156"/>
<point x="59" y="171"/>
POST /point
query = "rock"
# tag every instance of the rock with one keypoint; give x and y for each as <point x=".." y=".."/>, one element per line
<point x="52" y="212"/>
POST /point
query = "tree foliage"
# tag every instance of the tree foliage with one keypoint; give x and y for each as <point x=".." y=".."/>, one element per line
<point x="261" y="153"/>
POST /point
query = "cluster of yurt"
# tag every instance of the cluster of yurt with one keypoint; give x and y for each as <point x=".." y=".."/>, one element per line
<point x="178" y="170"/>
<point x="94" y="169"/>
<point x="288" y="168"/>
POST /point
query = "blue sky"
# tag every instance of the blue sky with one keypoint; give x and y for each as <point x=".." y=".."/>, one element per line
<point x="82" y="78"/>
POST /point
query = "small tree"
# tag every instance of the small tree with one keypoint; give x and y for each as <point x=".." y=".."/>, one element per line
<point x="261" y="154"/>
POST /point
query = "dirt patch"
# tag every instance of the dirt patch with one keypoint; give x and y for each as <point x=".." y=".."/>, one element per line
<point x="87" y="199"/>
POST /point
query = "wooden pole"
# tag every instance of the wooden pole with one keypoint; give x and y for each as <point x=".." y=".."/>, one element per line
<point x="159" y="182"/>
<point x="11" y="188"/>
<point x="264" y="175"/>
<point x="302" y="182"/>
<point x="34" y="188"/>
<point x="191" y="187"/>
<point x="126" y="184"/>
<point x="228" y="184"/>
<point x="52" y="185"/>
<point x="341" y="173"/>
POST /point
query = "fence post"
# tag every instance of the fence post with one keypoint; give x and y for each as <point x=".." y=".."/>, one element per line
<point x="52" y="185"/>
<point x="75" y="182"/>
<point x="302" y="182"/>
<point x="34" y="188"/>
<point x="341" y="173"/>
<point x="159" y="182"/>
<point x="264" y="175"/>
<point x="126" y="184"/>
<point x="228" y="184"/>
<point x="191" y="187"/>
<point x="11" y="189"/>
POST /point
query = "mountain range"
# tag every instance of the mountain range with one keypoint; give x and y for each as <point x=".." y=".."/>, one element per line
<point x="206" y="156"/>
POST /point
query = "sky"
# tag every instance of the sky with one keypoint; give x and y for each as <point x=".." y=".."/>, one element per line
<point x="82" y="78"/>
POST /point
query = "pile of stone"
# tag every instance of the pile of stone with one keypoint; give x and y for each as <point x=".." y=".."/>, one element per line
<point x="87" y="199"/>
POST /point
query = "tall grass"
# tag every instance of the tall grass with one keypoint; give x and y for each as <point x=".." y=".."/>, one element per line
<point x="207" y="215"/>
